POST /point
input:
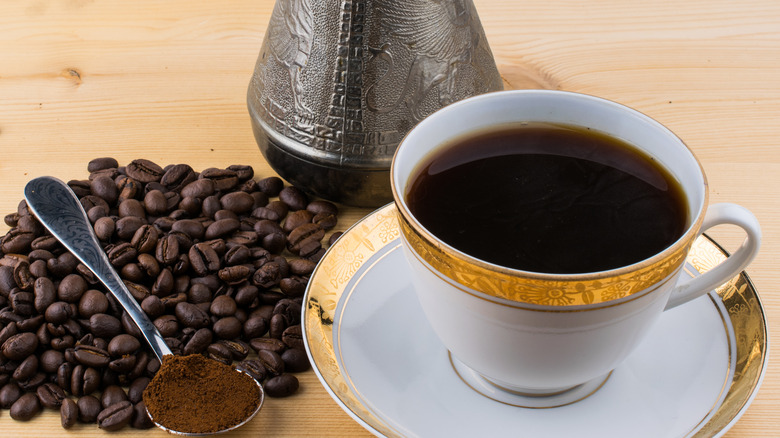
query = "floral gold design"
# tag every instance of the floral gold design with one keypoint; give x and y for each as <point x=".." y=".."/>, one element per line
<point x="542" y="290"/>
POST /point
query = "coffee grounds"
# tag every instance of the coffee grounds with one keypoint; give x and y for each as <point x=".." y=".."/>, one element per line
<point x="194" y="394"/>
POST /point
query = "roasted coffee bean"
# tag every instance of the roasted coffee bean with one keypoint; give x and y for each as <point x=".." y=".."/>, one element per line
<point x="237" y="202"/>
<point x="239" y="350"/>
<point x="122" y="365"/>
<point x="267" y="276"/>
<point x="122" y="254"/>
<point x="190" y="315"/>
<point x="89" y="408"/>
<point x="224" y="179"/>
<point x="153" y="306"/>
<point x="295" y="360"/>
<point x="190" y="227"/>
<point x="163" y="285"/>
<point x="128" y="189"/>
<point x="293" y="337"/>
<point x="16" y="241"/>
<point x="227" y="328"/>
<point x="136" y="389"/>
<point x="320" y="206"/>
<point x="293" y="286"/>
<point x="26" y="369"/>
<point x="223" y="305"/>
<point x="71" y="288"/>
<point x="253" y="367"/>
<point x="22" y="276"/>
<point x="141" y="419"/>
<point x="92" y="302"/>
<point x="50" y="395"/>
<point x="333" y="237"/>
<point x="221" y="228"/>
<point x="302" y="267"/>
<point x="84" y="380"/>
<point x="277" y="325"/>
<point x="308" y="248"/>
<point x="290" y="309"/>
<point x="104" y="228"/>
<point x="9" y="394"/>
<point x="200" y="188"/>
<point x="296" y="219"/>
<point x="220" y="353"/>
<point x="91" y="356"/>
<point x="79" y="187"/>
<point x="294" y="197"/>
<point x="145" y="239"/>
<point x="167" y="251"/>
<point x="105" y="326"/>
<point x="126" y="227"/>
<point x="281" y="386"/>
<point x="247" y="296"/>
<point x="199" y="342"/>
<point x="326" y="221"/>
<point x="26" y="407"/>
<point x="7" y="282"/>
<point x="132" y="208"/>
<point x="104" y="187"/>
<point x="255" y="327"/>
<point x="137" y="290"/>
<point x="111" y="395"/>
<point x="210" y="207"/>
<point x="243" y="172"/>
<point x="203" y="259"/>
<point x="144" y="171"/>
<point x="272" y="362"/>
<point x="50" y="361"/>
<point x="178" y="176"/>
<point x="22" y="303"/>
<point x="19" y="346"/>
<point x="299" y="235"/>
<point x="156" y="203"/>
<point x="102" y="163"/>
<point x="234" y="275"/>
<point x="167" y="325"/>
<point x="32" y="383"/>
<point x="69" y="413"/>
<point x="271" y="186"/>
<point x="266" y="213"/>
<point x="123" y="344"/>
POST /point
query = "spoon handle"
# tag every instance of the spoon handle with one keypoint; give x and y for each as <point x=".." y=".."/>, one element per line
<point x="59" y="210"/>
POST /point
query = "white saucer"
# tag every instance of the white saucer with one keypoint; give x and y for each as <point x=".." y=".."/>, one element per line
<point x="375" y="353"/>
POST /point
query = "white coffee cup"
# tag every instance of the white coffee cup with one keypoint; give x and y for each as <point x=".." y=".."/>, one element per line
<point x="542" y="335"/>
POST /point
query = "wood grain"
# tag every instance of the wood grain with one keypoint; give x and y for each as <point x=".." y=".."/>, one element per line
<point x="167" y="81"/>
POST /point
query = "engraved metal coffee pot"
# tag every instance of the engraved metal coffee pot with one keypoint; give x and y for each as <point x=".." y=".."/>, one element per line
<point x="337" y="85"/>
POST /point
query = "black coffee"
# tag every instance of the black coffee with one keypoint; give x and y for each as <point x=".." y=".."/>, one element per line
<point x="549" y="198"/>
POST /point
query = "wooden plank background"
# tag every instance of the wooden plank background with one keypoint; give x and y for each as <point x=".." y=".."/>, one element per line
<point x="167" y="81"/>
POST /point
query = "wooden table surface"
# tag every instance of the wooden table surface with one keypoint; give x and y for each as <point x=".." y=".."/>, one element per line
<point x="167" y="81"/>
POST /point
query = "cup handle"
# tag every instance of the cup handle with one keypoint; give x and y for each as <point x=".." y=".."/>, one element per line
<point x="718" y="214"/>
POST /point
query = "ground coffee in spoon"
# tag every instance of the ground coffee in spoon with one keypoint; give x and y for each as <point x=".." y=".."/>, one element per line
<point x="194" y="394"/>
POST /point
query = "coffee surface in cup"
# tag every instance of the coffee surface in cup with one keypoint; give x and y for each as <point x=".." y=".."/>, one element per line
<point x="548" y="198"/>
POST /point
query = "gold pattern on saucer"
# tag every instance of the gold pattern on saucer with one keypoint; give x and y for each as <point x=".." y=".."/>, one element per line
<point x="326" y="287"/>
<point x="378" y="231"/>
<point x="747" y="318"/>
<point x="546" y="290"/>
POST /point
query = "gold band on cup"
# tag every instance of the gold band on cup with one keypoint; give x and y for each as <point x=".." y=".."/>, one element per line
<point x="544" y="289"/>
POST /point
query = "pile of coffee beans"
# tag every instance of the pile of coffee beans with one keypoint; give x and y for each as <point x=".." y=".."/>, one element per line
<point x="218" y="259"/>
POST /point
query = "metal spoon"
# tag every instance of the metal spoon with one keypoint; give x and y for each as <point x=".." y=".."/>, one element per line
<point x="59" y="210"/>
